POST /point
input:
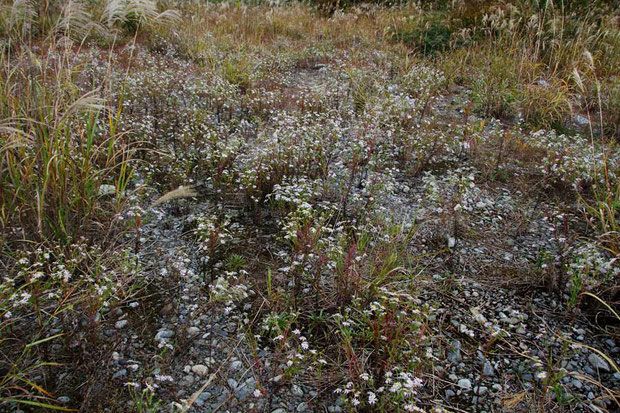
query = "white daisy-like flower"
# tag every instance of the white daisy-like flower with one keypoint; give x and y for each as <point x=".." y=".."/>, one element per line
<point x="541" y="375"/>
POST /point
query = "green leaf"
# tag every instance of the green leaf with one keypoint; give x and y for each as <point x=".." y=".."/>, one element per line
<point x="36" y="343"/>
<point x="39" y="404"/>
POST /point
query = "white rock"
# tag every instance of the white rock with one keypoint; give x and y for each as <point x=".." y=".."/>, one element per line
<point x="451" y="242"/>
<point x="581" y="120"/>
<point x="121" y="323"/>
<point x="236" y="365"/>
<point x="200" y="369"/>
<point x="193" y="331"/>
<point x="481" y="390"/>
<point x="163" y="334"/>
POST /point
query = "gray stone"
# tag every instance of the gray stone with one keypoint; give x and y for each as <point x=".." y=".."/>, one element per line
<point x="236" y="365"/>
<point x="487" y="369"/>
<point x="598" y="362"/>
<point x="163" y="334"/>
<point x="242" y="392"/>
<point x="297" y="391"/>
<point x="302" y="407"/>
<point x="464" y="384"/>
<point x="454" y="354"/>
<point x="481" y="390"/>
<point x="509" y="320"/>
<point x="120" y="373"/>
<point x="581" y="120"/>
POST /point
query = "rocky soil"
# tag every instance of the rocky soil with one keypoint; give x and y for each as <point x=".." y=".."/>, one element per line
<point x="494" y="322"/>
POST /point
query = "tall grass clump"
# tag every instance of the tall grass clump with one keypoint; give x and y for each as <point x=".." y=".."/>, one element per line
<point x="65" y="176"/>
<point x="603" y="207"/>
<point x="59" y="147"/>
<point x="517" y="57"/>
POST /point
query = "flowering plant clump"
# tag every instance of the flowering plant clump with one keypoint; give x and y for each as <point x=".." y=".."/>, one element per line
<point x="397" y="391"/>
<point x="423" y="82"/>
<point x="452" y="192"/>
<point x="294" y="353"/>
<point x="46" y="276"/>
<point x="573" y="160"/>
<point x="145" y="398"/>
<point x="295" y="193"/>
<point x="229" y="287"/>
<point x="392" y="326"/>
<point x="212" y="233"/>
<point x="320" y="166"/>
<point x="591" y="266"/>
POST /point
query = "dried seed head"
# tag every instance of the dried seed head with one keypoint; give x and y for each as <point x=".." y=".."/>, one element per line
<point x="589" y="58"/>
<point x="180" y="192"/>
<point x="578" y="80"/>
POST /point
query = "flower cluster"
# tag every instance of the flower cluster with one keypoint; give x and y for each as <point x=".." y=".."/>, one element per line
<point x="573" y="160"/>
<point x="397" y="390"/>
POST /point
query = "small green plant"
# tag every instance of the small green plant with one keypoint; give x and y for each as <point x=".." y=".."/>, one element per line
<point x="144" y="400"/>
<point x="237" y="70"/>
<point x="236" y="262"/>
<point x="361" y="89"/>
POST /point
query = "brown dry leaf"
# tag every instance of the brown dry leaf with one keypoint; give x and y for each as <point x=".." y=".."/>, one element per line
<point x="512" y="401"/>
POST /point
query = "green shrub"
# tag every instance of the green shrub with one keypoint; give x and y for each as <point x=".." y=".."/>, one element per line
<point x="429" y="39"/>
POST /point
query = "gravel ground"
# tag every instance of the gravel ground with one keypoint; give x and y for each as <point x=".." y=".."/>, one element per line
<point x="494" y="334"/>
